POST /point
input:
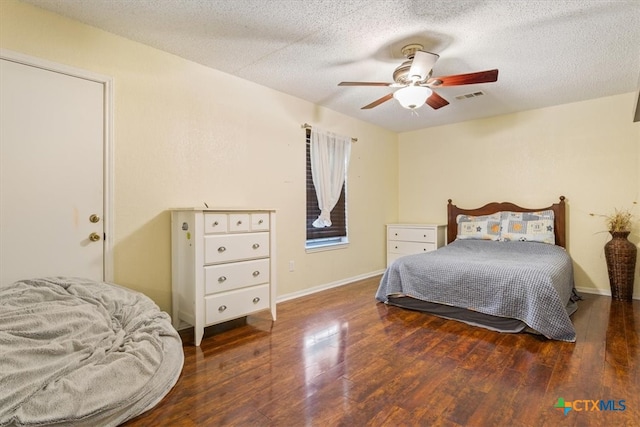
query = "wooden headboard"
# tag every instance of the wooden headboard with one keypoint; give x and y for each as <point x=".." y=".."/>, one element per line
<point x="558" y="209"/>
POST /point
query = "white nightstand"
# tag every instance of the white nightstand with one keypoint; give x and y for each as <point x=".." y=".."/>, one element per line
<point x="409" y="239"/>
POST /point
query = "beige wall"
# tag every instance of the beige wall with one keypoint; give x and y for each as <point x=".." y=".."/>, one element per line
<point x="185" y="134"/>
<point x="587" y="151"/>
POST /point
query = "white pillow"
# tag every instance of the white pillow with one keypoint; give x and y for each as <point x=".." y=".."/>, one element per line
<point x="528" y="227"/>
<point x="483" y="227"/>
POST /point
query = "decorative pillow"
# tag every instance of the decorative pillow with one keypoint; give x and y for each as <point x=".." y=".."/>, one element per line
<point x="528" y="227"/>
<point x="484" y="227"/>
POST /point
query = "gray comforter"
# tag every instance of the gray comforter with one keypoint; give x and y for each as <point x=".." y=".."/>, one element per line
<point x="75" y="352"/>
<point x="531" y="282"/>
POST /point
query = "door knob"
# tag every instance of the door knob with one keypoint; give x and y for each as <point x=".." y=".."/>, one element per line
<point x="94" y="237"/>
<point x="94" y="218"/>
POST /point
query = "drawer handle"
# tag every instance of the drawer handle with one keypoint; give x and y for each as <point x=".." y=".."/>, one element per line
<point x="222" y="249"/>
<point x="239" y="223"/>
<point x="261" y="221"/>
<point x="215" y="223"/>
<point x="256" y="273"/>
<point x="256" y="300"/>
<point x="255" y="246"/>
<point x="222" y="279"/>
<point x="222" y="308"/>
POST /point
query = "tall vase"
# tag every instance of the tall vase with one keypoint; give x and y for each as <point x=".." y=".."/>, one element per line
<point x="620" y="254"/>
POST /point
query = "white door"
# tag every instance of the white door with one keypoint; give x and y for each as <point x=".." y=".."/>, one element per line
<point x="52" y="136"/>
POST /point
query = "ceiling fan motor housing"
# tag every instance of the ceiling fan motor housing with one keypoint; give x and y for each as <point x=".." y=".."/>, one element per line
<point x="401" y="74"/>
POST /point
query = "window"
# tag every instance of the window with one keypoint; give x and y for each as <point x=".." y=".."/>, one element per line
<point x="334" y="235"/>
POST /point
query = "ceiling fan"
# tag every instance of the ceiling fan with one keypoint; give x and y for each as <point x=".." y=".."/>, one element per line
<point x="414" y="78"/>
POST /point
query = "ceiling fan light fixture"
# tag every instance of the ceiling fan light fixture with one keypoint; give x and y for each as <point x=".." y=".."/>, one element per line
<point x="412" y="97"/>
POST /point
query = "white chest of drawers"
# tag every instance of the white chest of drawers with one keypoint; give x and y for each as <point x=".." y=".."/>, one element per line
<point x="223" y="265"/>
<point x="409" y="239"/>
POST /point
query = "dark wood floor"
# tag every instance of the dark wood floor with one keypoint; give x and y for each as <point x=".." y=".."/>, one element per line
<point x="338" y="358"/>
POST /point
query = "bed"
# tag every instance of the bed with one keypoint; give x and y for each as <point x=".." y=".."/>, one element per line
<point x="82" y="353"/>
<point x="504" y="268"/>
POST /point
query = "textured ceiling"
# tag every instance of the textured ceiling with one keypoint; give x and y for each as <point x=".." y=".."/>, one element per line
<point x="549" y="52"/>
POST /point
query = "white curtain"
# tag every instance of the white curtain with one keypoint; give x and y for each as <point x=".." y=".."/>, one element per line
<point x="329" y="161"/>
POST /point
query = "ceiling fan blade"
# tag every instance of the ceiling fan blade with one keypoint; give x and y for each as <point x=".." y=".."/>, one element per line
<point x="364" y="84"/>
<point x="464" y="79"/>
<point x="421" y="64"/>
<point x="435" y="101"/>
<point x="378" y="102"/>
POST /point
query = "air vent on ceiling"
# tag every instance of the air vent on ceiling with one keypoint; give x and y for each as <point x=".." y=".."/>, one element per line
<point x="470" y="95"/>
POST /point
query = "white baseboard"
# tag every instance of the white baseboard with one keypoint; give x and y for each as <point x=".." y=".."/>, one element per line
<point x="594" y="291"/>
<point x="183" y="325"/>
<point x="341" y="282"/>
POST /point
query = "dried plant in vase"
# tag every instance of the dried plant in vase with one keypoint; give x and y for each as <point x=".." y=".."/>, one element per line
<point x="620" y="254"/>
<point x="619" y="221"/>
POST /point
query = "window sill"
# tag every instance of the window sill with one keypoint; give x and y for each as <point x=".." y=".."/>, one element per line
<point x="325" y="246"/>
